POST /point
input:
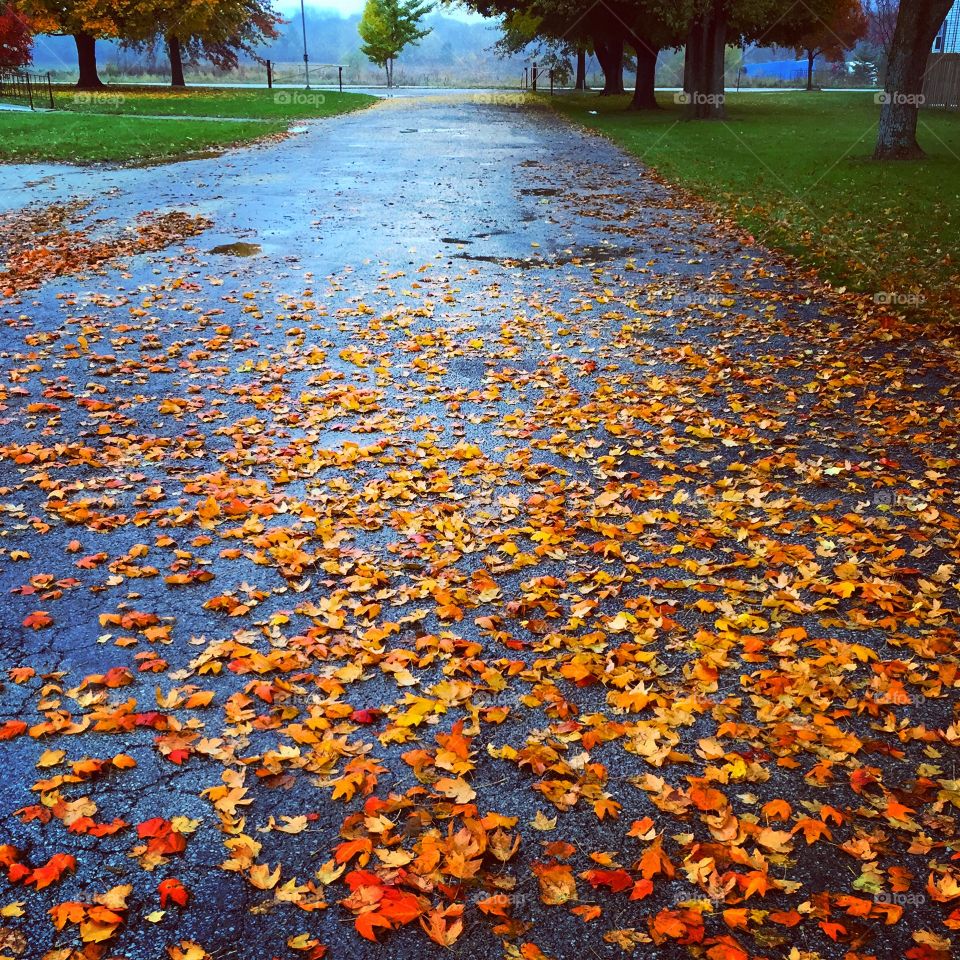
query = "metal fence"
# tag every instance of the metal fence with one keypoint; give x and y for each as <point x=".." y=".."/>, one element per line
<point x="941" y="85"/>
<point x="297" y="74"/>
<point x="31" y="89"/>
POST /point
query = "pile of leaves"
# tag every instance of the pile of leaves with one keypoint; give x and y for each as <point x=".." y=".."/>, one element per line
<point x="42" y="244"/>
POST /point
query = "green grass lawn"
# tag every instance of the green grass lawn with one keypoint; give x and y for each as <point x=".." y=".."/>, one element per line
<point x="113" y="125"/>
<point x="82" y="139"/>
<point x="794" y="169"/>
<point x="276" y="104"/>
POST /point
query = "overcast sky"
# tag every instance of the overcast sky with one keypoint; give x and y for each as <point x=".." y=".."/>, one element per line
<point x="347" y="7"/>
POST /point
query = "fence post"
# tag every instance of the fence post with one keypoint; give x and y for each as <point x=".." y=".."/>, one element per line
<point x="50" y="89"/>
<point x="269" y="74"/>
<point x="29" y="90"/>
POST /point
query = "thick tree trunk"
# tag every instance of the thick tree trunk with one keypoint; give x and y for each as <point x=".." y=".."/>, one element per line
<point x="176" y="62"/>
<point x="917" y="25"/>
<point x="87" y="61"/>
<point x="616" y="63"/>
<point x="600" y="49"/>
<point x="811" y="56"/>
<point x="610" y="54"/>
<point x="645" y="93"/>
<point x="581" y="69"/>
<point x="704" y="66"/>
<point x="716" y="67"/>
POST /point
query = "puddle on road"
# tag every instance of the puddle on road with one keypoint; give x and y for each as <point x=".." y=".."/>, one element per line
<point x="450" y="130"/>
<point x="238" y="249"/>
<point x="466" y="241"/>
<point x="585" y="255"/>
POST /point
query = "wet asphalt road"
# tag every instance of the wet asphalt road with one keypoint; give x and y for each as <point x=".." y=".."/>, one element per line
<point x="386" y="184"/>
<point x="462" y="216"/>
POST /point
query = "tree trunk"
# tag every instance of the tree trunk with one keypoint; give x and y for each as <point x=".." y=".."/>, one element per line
<point x="581" y="69"/>
<point x="704" y="66"/>
<point x="176" y="62"/>
<point x="917" y="25"/>
<point x="717" y="45"/>
<point x="616" y="62"/>
<point x="600" y="49"/>
<point x="610" y="54"/>
<point x="87" y="61"/>
<point x="811" y="56"/>
<point x="645" y="94"/>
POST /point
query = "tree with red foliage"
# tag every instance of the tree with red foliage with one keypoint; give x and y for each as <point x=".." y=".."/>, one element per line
<point x="16" y="39"/>
<point x="825" y="32"/>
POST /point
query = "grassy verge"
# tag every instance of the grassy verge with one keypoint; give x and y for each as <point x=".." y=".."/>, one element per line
<point x="114" y="125"/>
<point x="794" y="169"/>
<point x="81" y="139"/>
<point x="261" y="104"/>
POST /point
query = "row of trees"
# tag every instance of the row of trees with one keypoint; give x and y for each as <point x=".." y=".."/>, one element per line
<point x="215" y="30"/>
<point x="705" y="27"/>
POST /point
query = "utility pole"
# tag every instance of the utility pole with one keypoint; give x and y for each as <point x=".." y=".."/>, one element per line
<point x="306" y="59"/>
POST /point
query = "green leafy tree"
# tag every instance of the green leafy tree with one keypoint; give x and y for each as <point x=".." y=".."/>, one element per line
<point x="388" y="26"/>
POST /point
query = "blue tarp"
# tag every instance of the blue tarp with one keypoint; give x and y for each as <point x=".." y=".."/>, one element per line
<point x="777" y="70"/>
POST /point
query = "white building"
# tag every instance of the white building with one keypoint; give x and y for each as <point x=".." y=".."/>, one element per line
<point x="947" y="39"/>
